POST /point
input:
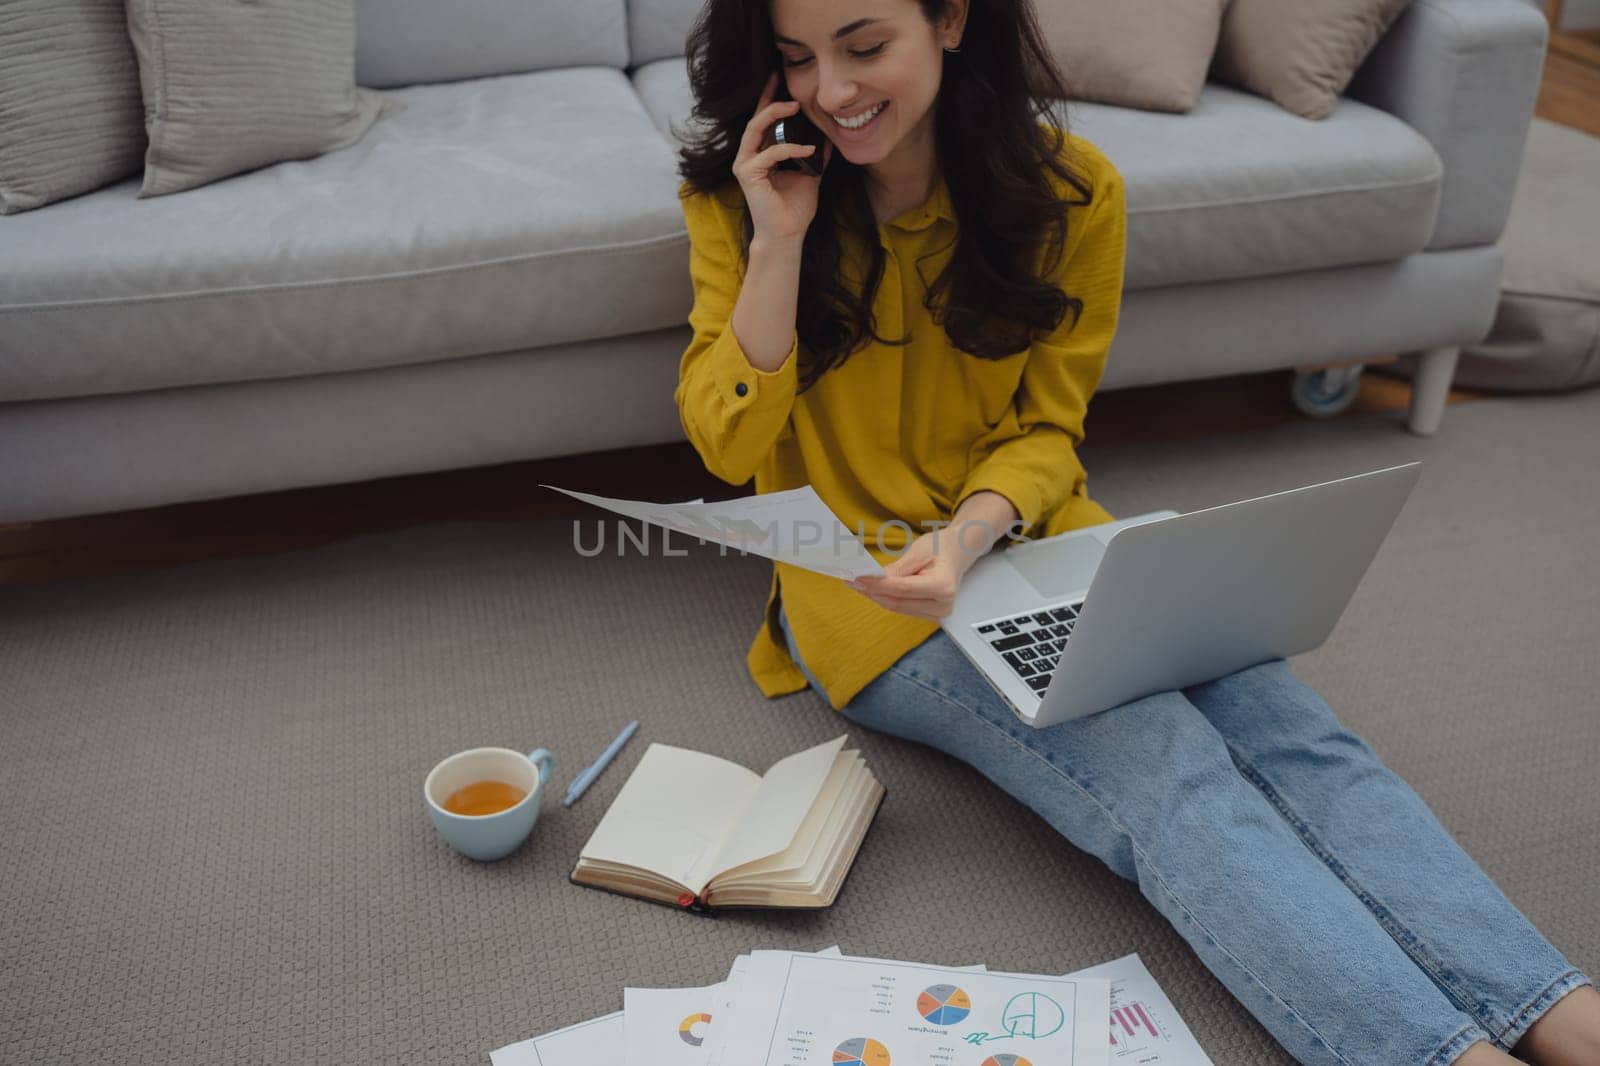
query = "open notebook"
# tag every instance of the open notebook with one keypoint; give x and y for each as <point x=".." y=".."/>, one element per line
<point x="692" y="830"/>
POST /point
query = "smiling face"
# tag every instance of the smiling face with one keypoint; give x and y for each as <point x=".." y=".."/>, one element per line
<point x="845" y="59"/>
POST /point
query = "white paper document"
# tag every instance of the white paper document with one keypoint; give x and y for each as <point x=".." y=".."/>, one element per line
<point x="668" y="1026"/>
<point x="803" y="1010"/>
<point x="786" y="1008"/>
<point x="597" y="1042"/>
<point x="1145" y="1027"/>
<point x="726" y="996"/>
<point x="793" y="526"/>
<point x="728" y="992"/>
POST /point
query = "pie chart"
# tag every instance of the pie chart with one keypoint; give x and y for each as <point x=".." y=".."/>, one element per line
<point x="944" y="1004"/>
<point x="1033" y="1015"/>
<point x="1006" y="1060"/>
<point x="692" y="1030"/>
<point x="861" y="1052"/>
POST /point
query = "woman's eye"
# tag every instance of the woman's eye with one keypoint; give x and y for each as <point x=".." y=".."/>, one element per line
<point x="866" y="54"/>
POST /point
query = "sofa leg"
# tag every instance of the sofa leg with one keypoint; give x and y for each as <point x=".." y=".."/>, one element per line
<point x="1430" y="387"/>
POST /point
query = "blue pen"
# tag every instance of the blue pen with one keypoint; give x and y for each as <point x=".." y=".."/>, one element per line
<point x="585" y="779"/>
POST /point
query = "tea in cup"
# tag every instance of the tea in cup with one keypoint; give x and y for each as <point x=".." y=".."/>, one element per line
<point x="483" y="797"/>
<point x="485" y="801"/>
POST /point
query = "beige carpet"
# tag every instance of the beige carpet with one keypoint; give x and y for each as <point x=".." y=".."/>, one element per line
<point x="215" y="848"/>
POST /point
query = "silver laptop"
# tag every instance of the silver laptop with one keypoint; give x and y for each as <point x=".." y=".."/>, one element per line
<point x="1078" y="623"/>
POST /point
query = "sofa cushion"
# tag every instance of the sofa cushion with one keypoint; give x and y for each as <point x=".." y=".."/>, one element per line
<point x="1240" y="188"/>
<point x="659" y="29"/>
<point x="1236" y="188"/>
<point x="409" y="42"/>
<point x="476" y="217"/>
<point x="1151" y="54"/>
<point x="232" y="87"/>
<point x="1301" y="55"/>
<point x="70" y="111"/>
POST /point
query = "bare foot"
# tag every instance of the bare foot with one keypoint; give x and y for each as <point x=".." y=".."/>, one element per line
<point x="1568" y="1034"/>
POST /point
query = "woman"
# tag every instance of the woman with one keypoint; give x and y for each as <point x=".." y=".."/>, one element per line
<point x="916" y="334"/>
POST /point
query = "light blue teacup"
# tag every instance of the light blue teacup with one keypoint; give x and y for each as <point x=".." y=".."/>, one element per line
<point x="486" y="837"/>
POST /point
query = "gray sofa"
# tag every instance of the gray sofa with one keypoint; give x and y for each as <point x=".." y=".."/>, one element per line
<point x="498" y="270"/>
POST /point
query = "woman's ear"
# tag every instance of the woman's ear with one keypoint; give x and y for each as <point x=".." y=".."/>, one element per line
<point x="955" y="23"/>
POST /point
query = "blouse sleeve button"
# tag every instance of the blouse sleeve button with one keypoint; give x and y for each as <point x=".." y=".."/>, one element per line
<point x="741" y="389"/>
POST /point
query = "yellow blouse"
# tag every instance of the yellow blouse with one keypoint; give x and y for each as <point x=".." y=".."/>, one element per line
<point x="896" y="432"/>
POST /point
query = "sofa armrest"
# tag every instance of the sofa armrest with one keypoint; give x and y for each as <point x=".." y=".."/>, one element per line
<point x="1464" y="74"/>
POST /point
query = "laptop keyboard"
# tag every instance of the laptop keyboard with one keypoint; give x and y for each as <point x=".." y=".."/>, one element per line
<point x="1031" y="643"/>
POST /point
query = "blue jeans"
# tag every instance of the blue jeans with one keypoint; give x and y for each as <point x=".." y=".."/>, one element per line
<point x="1308" y="877"/>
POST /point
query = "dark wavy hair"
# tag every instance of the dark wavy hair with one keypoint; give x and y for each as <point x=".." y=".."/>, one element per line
<point x="994" y="138"/>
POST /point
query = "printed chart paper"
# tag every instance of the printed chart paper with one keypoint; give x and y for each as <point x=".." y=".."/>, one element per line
<point x="668" y="1026"/>
<point x="770" y="1012"/>
<point x="793" y="526"/>
<point x="802" y="1010"/>
<point x="597" y="1042"/>
<point x="1145" y="1027"/>
<point x="728" y="992"/>
<point x="726" y="1001"/>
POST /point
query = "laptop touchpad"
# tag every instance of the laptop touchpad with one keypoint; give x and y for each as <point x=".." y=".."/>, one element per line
<point x="1060" y="567"/>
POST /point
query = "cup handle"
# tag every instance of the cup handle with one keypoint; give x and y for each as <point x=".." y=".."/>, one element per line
<point x="543" y="761"/>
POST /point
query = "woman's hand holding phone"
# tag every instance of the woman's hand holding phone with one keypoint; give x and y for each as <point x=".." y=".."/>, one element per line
<point x="782" y="202"/>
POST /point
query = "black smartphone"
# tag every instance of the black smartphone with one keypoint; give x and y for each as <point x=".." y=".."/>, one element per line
<point x="797" y="129"/>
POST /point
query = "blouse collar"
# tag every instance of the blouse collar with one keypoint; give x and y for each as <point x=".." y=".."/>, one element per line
<point x="936" y="206"/>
